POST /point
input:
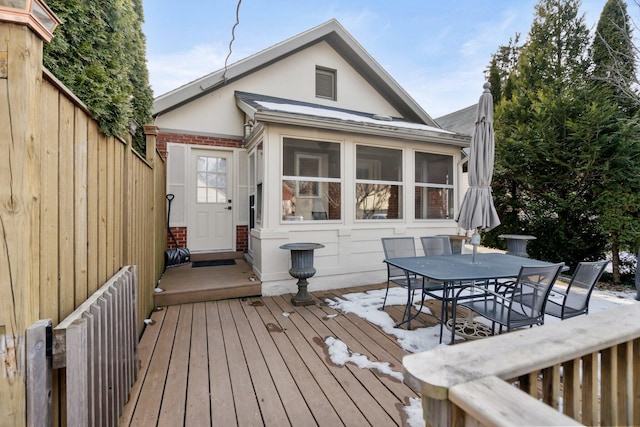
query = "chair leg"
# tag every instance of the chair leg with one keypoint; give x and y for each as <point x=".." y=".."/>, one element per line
<point x="444" y="317"/>
<point x="453" y="320"/>
<point x="385" y="296"/>
<point x="407" y="317"/>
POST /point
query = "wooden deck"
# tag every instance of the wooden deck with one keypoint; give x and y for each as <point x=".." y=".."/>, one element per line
<point x="261" y="361"/>
<point x="185" y="284"/>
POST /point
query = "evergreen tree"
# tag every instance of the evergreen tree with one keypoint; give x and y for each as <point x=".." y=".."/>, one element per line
<point x="538" y="186"/>
<point x="614" y="55"/>
<point x="617" y="201"/>
<point x="99" y="53"/>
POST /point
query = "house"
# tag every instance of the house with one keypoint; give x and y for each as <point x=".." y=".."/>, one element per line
<point x="310" y="140"/>
<point x="461" y="121"/>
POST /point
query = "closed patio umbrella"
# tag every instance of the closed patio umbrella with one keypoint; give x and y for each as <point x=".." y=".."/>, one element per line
<point x="477" y="211"/>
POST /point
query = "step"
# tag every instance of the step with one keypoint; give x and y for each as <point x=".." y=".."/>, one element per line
<point x="187" y="284"/>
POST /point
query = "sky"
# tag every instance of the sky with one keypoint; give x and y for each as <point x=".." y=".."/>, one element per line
<point x="436" y="50"/>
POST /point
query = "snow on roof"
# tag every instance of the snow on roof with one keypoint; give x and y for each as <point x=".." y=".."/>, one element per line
<point x="345" y="115"/>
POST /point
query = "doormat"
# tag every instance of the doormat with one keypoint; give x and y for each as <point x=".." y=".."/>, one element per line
<point x="213" y="263"/>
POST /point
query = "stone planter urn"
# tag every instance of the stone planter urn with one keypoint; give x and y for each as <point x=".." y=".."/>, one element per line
<point x="517" y="244"/>
<point x="302" y="269"/>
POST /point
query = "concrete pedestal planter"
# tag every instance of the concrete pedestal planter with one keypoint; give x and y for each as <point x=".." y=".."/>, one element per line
<point x="301" y="269"/>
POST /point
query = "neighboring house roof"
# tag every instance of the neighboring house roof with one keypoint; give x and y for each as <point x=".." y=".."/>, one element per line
<point x="286" y="111"/>
<point x="330" y="32"/>
<point x="461" y="121"/>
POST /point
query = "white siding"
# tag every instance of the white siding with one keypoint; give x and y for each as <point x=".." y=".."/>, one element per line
<point x="290" y="78"/>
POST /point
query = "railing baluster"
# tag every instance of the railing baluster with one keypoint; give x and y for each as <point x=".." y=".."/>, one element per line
<point x="595" y="367"/>
<point x="609" y="386"/>
<point x="571" y="388"/>
<point x="635" y="370"/>
<point x="551" y="386"/>
<point x="624" y="391"/>
<point x="590" y="389"/>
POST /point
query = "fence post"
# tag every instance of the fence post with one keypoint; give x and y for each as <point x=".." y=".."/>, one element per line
<point x="151" y="133"/>
<point x="20" y="187"/>
<point x="39" y="374"/>
<point x="77" y="378"/>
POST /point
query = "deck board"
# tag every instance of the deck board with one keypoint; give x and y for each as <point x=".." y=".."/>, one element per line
<point x="369" y="387"/>
<point x="174" y="399"/>
<point x="246" y="404"/>
<point x="302" y="335"/>
<point x="262" y="361"/>
<point x="285" y="383"/>
<point x="321" y="409"/>
<point x="271" y="406"/>
<point x="198" y="411"/>
<point x="223" y="412"/>
<point x="150" y="399"/>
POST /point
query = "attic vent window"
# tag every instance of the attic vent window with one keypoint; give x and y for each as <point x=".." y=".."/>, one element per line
<point x="326" y="83"/>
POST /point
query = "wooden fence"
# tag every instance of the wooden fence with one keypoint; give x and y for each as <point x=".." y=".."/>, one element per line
<point x="583" y="370"/>
<point x="75" y="206"/>
<point x="98" y="346"/>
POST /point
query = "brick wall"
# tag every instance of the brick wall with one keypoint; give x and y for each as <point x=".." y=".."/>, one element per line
<point x="242" y="238"/>
<point x="180" y="138"/>
<point x="180" y="233"/>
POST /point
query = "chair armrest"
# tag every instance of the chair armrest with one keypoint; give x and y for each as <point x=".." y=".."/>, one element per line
<point x="559" y="290"/>
<point x="482" y="291"/>
<point x="508" y="286"/>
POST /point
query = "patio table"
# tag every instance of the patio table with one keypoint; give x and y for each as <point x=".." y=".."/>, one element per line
<point x="456" y="269"/>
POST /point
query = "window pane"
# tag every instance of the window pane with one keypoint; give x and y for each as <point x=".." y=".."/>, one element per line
<point x="326" y="83"/>
<point x="211" y="180"/>
<point x="434" y="168"/>
<point x="311" y="158"/>
<point x="202" y="195"/>
<point x="260" y="163"/>
<point x="202" y="164"/>
<point x="375" y="163"/>
<point x="324" y="203"/>
<point x="259" y="202"/>
<point x="434" y="203"/>
<point x="378" y="201"/>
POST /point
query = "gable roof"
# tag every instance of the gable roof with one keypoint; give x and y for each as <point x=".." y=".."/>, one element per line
<point x="331" y="32"/>
<point x="264" y="108"/>
<point x="461" y="121"/>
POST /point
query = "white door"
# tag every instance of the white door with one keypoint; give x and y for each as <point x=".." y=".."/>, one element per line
<point x="210" y="218"/>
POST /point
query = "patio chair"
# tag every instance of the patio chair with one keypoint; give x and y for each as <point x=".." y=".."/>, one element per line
<point x="576" y="296"/>
<point x="436" y="245"/>
<point x="511" y="304"/>
<point x="400" y="247"/>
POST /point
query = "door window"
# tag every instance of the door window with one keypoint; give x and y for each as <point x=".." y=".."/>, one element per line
<point x="211" y="181"/>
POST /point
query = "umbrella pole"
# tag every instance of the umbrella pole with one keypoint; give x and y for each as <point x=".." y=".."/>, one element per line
<point x="475" y="241"/>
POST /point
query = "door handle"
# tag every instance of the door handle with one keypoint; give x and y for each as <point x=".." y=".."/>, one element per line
<point x="228" y="208"/>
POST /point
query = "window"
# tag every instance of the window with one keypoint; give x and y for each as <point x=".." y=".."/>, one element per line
<point x="378" y="183"/>
<point x="326" y="83"/>
<point x="434" y="186"/>
<point x="256" y="158"/>
<point x="211" y="180"/>
<point x="311" y="184"/>
<point x="308" y="165"/>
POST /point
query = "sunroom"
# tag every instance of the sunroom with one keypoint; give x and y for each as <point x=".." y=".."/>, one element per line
<point x="343" y="179"/>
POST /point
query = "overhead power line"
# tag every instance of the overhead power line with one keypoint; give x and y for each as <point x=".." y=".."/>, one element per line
<point x="233" y="37"/>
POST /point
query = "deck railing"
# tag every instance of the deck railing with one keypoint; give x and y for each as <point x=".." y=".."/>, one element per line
<point x="584" y="370"/>
<point x="98" y="346"/>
